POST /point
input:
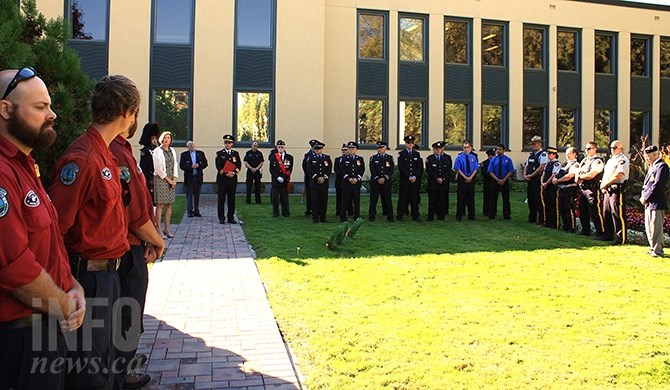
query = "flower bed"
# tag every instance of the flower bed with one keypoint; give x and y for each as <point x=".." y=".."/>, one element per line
<point x="635" y="220"/>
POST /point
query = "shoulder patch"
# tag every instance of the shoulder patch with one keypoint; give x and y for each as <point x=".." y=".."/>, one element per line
<point x="622" y="161"/>
<point x="544" y="154"/>
<point x="125" y="173"/>
<point x="4" y="203"/>
<point x="106" y="173"/>
<point x="68" y="174"/>
<point x="31" y="199"/>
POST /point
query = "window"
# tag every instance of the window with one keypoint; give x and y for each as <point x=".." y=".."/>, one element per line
<point x="173" y="21"/>
<point x="253" y="116"/>
<point x="456" y="42"/>
<point x="604" y="53"/>
<point x="493" y="44"/>
<point x="665" y="58"/>
<point x="603" y="128"/>
<point x="455" y="123"/>
<point x="411" y="120"/>
<point x="370" y="121"/>
<point x="639" y="57"/>
<point x="171" y="110"/>
<point x="88" y="19"/>
<point x="533" y="123"/>
<point x="255" y="23"/>
<point x="566" y="127"/>
<point x="566" y="42"/>
<point x="639" y="128"/>
<point x="411" y="39"/>
<point x="492" y="124"/>
<point x="664" y="129"/>
<point x="533" y="48"/>
<point x="371" y="35"/>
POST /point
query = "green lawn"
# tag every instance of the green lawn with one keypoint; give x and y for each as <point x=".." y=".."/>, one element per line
<point x="483" y="304"/>
<point x="178" y="209"/>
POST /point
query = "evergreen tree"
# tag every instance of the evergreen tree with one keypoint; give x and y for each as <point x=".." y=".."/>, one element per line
<point x="29" y="39"/>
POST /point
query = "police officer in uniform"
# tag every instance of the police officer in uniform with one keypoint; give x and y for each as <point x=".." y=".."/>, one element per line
<point x="466" y="165"/>
<point x="37" y="287"/>
<point x="613" y="185"/>
<point x="253" y="161"/>
<point x="588" y="178"/>
<point x="381" y="175"/>
<point x="549" y="189"/>
<point x="353" y="168"/>
<point x="487" y="181"/>
<point x="410" y="167"/>
<point x="337" y="168"/>
<point x="564" y="180"/>
<point x="308" y="180"/>
<point x="438" y="168"/>
<point x="532" y="172"/>
<point x="281" y="167"/>
<point x="319" y="168"/>
<point x="86" y="190"/>
<point x="500" y="170"/>
<point x="228" y="165"/>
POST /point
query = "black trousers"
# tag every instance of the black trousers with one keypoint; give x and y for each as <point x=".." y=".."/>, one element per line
<point x="497" y="189"/>
<point x="227" y="192"/>
<point x="308" y="196"/>
<point x="92" y="343"/>
<point x="133" y="280"/>
<point x="193" y="197"/>
<point x="550" y="199"/>
<point x="438" y="199"/>
<point x="351" y="198"/>
<point x="254" y="182"/>
<point x="408" y="194"/>
<point x="567" y="197"/>
<point x="465" y="198"/>
<point x="319" y="198"/>
<point x="614" y="218"/>
<point x="27" y="364"/>
<point x="387" y="206"/>
<point x="534" y="197"/>
<point x="590" y="209"/>
<point x="279" y="196"/>
<point x="487" y="190"/>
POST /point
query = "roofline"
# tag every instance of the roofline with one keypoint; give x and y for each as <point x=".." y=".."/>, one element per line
<point x="629" y="4"/>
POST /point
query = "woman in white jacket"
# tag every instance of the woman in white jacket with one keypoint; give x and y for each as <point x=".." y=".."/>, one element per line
<point x="165" y="180"/>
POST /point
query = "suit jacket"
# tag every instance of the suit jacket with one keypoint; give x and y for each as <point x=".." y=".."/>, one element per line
<point x="276" y="171"/>
<point x="318" y="167"/>
<point x="185" y="165"/>
<point x="352" y="167"/>
<point x="409" y="164"/>
<point x="337" y="168"/>
<point x="221" y="158"/>
<point x="653" y="189"/>
<point x="438" y="169"/>
<point x="381" y="166"/>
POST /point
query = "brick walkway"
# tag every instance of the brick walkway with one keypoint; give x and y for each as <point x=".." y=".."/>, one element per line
<point x="208" y="323"/>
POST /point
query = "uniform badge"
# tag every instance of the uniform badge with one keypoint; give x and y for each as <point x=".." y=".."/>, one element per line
<point x="4" y="203"/>
<point x="234" y="159"/>
<point x="31" y="199"/>
<point x="325" y="163"/>
<point x="125" y="174"/>
<point x="106" y="173"/>
<point x="388" y="164"/>
<point x="358" y="162"/>
<point x="68" y="174"/>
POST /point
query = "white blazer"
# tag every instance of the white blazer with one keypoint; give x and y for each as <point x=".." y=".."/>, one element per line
<point x="159" y="163"/>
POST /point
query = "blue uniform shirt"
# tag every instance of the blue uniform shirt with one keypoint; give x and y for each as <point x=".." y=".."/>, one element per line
<point x="501" y="166"/>
<point x="466" y="166"/>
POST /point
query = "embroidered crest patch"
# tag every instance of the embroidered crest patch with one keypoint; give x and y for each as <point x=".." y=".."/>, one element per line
<point x="31" y="199"/>
<point x="68" y="174"/>
<point x="125" y="174"/>
<point x="4" y="203"/>
<point x="106" y="173"/>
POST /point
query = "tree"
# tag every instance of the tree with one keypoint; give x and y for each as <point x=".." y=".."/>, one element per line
<point x="29" y="39"/>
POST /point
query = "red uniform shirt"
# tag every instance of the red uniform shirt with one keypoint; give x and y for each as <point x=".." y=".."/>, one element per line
<point x="140" y="208"/>
<point x="31" y="239"/>
<point x="86" y="190"/>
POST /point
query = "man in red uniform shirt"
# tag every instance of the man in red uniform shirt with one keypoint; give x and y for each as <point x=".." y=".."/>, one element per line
<point x="145" y="246"/>
<point x="86" y="190"/>
<point x="35" y="276"/>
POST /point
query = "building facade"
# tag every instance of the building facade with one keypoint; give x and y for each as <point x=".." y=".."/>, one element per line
<point x="492" y="71"/>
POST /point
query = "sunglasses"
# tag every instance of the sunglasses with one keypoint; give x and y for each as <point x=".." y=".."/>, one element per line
<point x="588" y="148"/>
<point x="615" y="147"/>
<point x="23" y="74"/>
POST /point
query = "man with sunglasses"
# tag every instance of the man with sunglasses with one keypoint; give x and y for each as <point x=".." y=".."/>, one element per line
<point x="588" y="178"/>
<point x="228" y="166"/>
<point x="613" y="185"/>
<point x="36" y="286"/>
<point x="86" y="190"/>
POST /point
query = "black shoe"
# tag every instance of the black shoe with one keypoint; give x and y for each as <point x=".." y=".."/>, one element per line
<point x="430" y="219"/>
<point x="139" y="360"/>
<point x="221" y="221"/>
<point x="197" y="214"/>
<point x="390" y="219"/>
<point x="286" y="215"/>
<point x="459" y="218"/>
<point x="315" y="221"/>
<point x="275" y="215"/>
<point x="371" y="218"/>
<point x="232" y="221"/>
<point x="308" y="213"/>
<point x="472" y="218"/>
<point x="417" y="219"/>
<point x="399" y="218"/>
<point x="248" y="201"/>
<point x="322" y="220"/>
<point x="492" y="217"/>
<point x="507" y="218"/>
<point x="135" y="380"/>
<point x="584" y="233"/>
<point x="190" y="215"/>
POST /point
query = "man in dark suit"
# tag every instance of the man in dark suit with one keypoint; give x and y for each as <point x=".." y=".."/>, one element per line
<point x="192" y="162"/>
<point x="281" y="166"/>
<point x="438" y="167"/>
<point x="381" y="174"/>
<point x="337" y="168"/>
<point x="308" y="181"/>
<point x="319" y="167"/>
<point x="353" y="168"/>
<point x="410" y="167"/>
<point x="228" y="165"/>
<point x="653" y="199"/>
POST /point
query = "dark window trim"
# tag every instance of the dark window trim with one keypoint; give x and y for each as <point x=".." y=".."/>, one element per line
<point x="424" y="124"/>
<point x="468" y="119"/>
<point x="505" y="26"/>
<point x="545" y="125"/>
<point x="614" y="134"/>
<point x="545" y="48"/>
<point x="468" y="37"/>
<point x="504" y="122"/>
<point x="67" y="14"/>
<point x="385" y="60"/>
<point x="648" y="53"/>
<point x="425" y="48"/>
<point x="614" y="50"/>
<point x="154" y="4"/>
<point x="663" y="39"/>
<point x="646" y="128"/>
<point x="152" y="108"/>
<point x="578" y="48"/>
<point x="272" y="91"/>
<point x="578" y="128"/>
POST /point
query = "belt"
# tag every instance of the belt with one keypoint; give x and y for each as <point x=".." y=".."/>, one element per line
<point x="103" y="265"/>
<point x="35" y="318"/>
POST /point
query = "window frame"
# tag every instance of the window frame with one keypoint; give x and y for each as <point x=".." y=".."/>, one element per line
<point x="545" y="35"/>
<point x="505" y="43"/>
<point x="613" y="129"/>
<point x="273" y="29"/>
<point x="647" y="53"/>
<point x="175" y="141"/>
<point x="468" y="124"/>
<point x="666" y="40"/>
<point x="68" y="17"/>
<point x="385" y="44"/>
<point x="578" y="48"/>
<point x="384" y="102"/>
<point x="424" y="37"/>
<point x="423" y="144"/>
<point x="646" y="128"/>
<point x="271" y="111"/>
<point x="468" y="40"/>
<point x="503" y="126"/>
<point x="577" y="121"/>
<point x="614" y="68"/>
<point x="545" y="124"/>
<point x="154" y="27"/>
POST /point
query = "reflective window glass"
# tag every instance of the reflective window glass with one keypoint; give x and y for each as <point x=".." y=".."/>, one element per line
<point x="493" y="44"/>
<point x="411" y="119"/>
<point x="411" y="39"/>
<point x="603" y="127"/>
<point x="533" y="48"/>
<point x="253" y="116"/>
<point x="566" y="42"/>
<point x="89" y="19"/>
<point x="255" y="23"/>
<point x="604" y="53"/>
<point x="665" y="58"/>
<point x="492" y="124"/>
<point x="456" y="42"/>
<point x="371" y="30"/>
<point x="455" y="123"/>
<point x="370" y="121"/>
<point x="172" y="112"/>
<point x="639" y="57"/>
<point x="533" y="123"/>
<point x="173" y="21"/>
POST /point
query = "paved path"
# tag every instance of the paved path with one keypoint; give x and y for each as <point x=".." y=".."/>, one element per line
<point x="208" y="323"/>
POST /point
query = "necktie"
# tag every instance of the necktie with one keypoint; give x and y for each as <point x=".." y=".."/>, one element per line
<point x="438" y="158"/>
<point x="500" y="167"/>
<point x="467" y="165"/>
